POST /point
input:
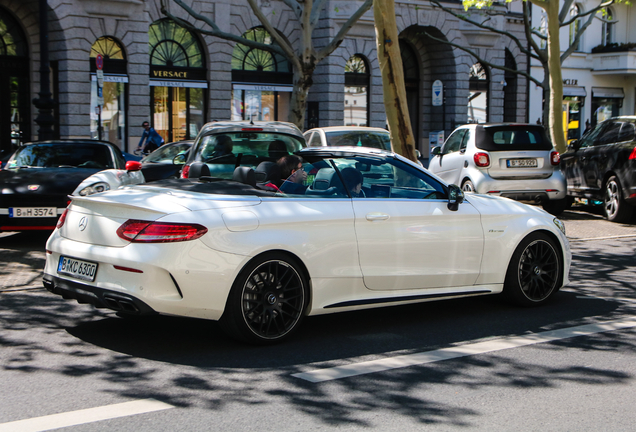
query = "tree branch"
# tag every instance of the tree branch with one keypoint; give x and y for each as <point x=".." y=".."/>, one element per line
<point x="315" y="13"/>
<point x="592" y="12"/>
<point x="295" y="7"/>
<point x="541" y="54"/>
<point x="577" y="38"/>
<point x="338" y="38"/>
<point x="485" y="62"/>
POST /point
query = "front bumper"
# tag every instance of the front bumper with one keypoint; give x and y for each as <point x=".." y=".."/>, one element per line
<point x="98" y="297"/>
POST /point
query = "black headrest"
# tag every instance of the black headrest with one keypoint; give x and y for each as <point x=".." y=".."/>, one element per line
<point x="268" y="172"/>
<point x="244" y="175"/>
<point x="199" y="169"/>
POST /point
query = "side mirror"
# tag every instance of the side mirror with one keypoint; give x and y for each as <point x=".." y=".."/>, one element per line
<point x="436" y="151"/>
<point x="179" y="159"/>
<point x="575" y="144"/>
<point x="455" y="197"/>
<point x="133" y="166"/>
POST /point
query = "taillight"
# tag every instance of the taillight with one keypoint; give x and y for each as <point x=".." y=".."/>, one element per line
<point x="62" y="219"/>
<point x="482" y="159"/>
<point x="185" y="171"/>
<point x="633" y="155"/>
<point x="555" y="158"/>
<point x="138" y="231"/>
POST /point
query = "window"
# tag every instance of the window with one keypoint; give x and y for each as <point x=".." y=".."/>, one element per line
<point x="609" y="25"/>
<point x="356" y="111"/>
<point x="610" y="134"/>
<point x="627" y="133"/>
<point x="454" y="141"/>
<point x="510" y="89"/>
<point x="575" y="26"/>
<point x="478" y="85"/>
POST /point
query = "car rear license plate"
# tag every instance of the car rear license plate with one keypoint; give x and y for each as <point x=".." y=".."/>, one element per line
<point x="522" y="163"/>
<point x="32" y="212"/>
<point x="77" y="269"/>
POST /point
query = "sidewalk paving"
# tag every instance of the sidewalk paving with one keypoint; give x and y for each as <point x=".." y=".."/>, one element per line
<point x="22" y="257"/>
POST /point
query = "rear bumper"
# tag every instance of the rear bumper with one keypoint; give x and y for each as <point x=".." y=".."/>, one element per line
<point x="551" y="188"/>
<point x="98" y="297"/>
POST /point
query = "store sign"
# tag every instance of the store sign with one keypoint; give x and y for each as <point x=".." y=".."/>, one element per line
<point x="263" y="87"/>
<point x="181" y="84"/>
<point x="111" y="78"/>
<point x="570" y="82"/>
<point x="169" y="74"/>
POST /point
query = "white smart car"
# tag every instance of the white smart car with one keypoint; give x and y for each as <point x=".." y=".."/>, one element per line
<point x="364" y="229"/>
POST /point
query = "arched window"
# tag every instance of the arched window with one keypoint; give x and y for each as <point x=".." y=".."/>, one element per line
<point x="356" y="108"/>
<point x="179" y="81"/>
<point x="14" y="84"/>
<point x="261" y="80"/>
<point x="108" y="103"/>
<point x="608" y="26"/>
<point x="410" y="65"/>
<point x="575" y="26"/>
<point x="478" y="85"/>
<point x="510" y="89"/>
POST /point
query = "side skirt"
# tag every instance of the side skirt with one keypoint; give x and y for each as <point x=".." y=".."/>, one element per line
<point x="371" y="301"/>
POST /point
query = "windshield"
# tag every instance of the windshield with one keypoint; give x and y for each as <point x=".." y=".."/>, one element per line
<point x="166" y="153"/>
<point x="223" y="152"/>
<point x="62" y="155"/>
<point x="373" y="139"/>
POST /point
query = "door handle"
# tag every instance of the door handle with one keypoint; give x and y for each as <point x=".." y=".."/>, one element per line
<point x="372" y="217"/>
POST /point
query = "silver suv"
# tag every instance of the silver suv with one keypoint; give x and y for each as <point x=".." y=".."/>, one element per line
<point x="511" y="160"/>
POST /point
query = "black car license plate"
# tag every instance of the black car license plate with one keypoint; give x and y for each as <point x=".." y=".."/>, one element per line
<point x="77" y="269"/>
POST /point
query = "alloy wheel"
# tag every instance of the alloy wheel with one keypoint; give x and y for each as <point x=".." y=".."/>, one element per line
<point x="538" y="270"/>
<point x="612" y="198"/>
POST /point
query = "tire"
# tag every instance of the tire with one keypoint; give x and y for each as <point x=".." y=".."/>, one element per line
<point x="614" y="206"/>
<point x="535" y="272"/>
<point x="468" y="186"/>
<point x="555" y="207"/>
<point x="267" y="301"/>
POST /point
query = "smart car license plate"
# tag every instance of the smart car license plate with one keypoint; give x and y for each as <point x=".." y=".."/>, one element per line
<point x="77" y="269"/>
<point x="522" y="163"/>
<point x="32" y="212"/>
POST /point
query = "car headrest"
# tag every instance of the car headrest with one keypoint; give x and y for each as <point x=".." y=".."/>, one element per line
<point x="277" y="149"/>
<point x="323" y="179"/>
<point x="268" y="172"/>
<point x="244" y="175"/>
<point x="198" y="170"/>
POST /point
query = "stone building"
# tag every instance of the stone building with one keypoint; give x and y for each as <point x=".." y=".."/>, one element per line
<point x="158" y="71"/>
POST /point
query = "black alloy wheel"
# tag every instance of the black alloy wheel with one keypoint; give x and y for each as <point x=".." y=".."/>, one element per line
<point x="535" y="271"/>
<point x="267" y="301"/>
<point x="614" y="206"/>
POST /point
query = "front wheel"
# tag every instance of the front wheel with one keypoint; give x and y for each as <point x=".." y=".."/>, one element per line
<point x="535" y="271"/>
<point x="614" y="206"/>
<point x="267" y="301"/>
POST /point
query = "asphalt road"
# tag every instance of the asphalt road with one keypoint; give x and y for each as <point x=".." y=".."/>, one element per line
<point x="475" y="364"/>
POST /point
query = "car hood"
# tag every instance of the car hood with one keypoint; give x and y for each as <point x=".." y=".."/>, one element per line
<point x="54" y="181"/>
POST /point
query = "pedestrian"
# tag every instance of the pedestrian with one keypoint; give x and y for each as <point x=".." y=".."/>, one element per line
<point x="152" y="138"/>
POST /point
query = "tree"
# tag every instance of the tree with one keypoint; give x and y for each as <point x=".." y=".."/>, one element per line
<point x="303" y="61"/>
<point x="390" y="61"/>
<point x="550" y="55"/>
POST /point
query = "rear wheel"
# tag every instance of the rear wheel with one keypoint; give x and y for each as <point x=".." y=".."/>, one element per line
<point x="468" y="186"/>
<point x="614" y="206"/>
<point x="535" y="271"/>
<point x="267" y="301"/>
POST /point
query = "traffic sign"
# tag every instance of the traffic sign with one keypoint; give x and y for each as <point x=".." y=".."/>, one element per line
<point x="98" y="109"/>
<point x="100" y="78"/>
<point x="99" y="62"/>
<point x="438" y="93"/>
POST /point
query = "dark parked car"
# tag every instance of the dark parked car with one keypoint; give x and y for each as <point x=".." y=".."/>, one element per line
<point x="601" y="166"/>
<point x="160" y="164"/>
<point x="38" y="178"/>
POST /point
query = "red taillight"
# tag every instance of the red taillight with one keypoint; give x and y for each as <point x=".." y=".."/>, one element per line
<point x="633" y="155"/>
<point x="62" y="219"/>
<point x="482" y="159"/>
<point x="185" y="171"/>
<point x="138" y="231"/>
<point x="555" y="158"/>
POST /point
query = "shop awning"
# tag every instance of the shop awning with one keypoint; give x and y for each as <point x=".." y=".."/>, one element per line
<point x="608" y="92"/>
<point x="574" y="91"/>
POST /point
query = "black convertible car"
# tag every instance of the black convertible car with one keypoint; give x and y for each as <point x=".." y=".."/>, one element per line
<point x="38" y="177"/>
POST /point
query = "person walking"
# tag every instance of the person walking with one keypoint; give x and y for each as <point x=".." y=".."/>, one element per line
<point x="152" y="138"/>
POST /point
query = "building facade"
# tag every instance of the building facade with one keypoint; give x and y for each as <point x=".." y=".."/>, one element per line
<point x="599" y="77"/>
<point x="155" y="70"/>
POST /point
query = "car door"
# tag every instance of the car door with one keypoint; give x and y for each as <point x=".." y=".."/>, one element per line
<point x="596" y="156"/>
<point x="575" y="162"/>
<point x="407" y="237"/>
<point x="449" y="164"/>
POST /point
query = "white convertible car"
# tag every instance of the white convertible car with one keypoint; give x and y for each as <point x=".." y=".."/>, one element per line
<point x="361" y="228"/>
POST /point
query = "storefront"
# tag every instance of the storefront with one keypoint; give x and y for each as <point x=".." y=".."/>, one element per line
<point x="606" y="103"/>
<point x="261" y="81"/>
<point x="14" y="85"/>
<point x="109" y="113"/>
<point x="178" y="86"/>
<point x="573" y="102"/>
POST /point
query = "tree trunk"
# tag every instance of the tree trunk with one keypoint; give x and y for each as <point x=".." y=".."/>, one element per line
<point x="302" y="83"/>
<point x="390" y="62"/>
<point x="556" y="79"/>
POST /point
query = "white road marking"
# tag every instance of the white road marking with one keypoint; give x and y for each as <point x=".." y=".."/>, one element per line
<point x="339" y="372"/>
<point x="90" y="415"/>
